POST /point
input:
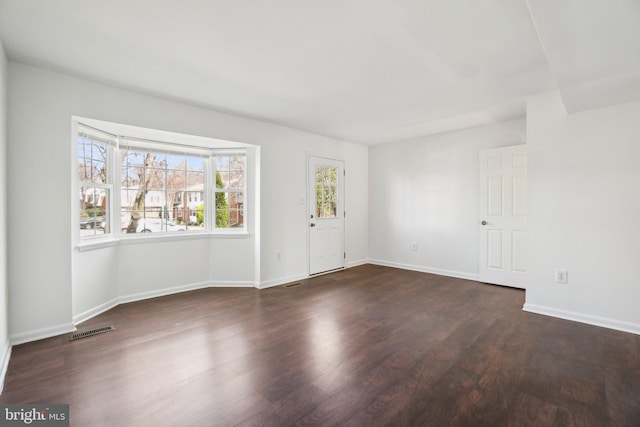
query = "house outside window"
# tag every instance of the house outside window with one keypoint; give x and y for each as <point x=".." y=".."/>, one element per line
<point x="155" y="187"/>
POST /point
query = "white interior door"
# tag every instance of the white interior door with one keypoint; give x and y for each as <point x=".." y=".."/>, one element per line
<point x="326" y="215"/>
<point x="503" y="216"/>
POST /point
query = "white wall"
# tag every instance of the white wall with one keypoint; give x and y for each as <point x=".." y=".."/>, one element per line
<point x="4" y="321"/>
<point x="44" y="268"/>
<point x="427" y="191"/>
<point x="94" y="281"/>
<point x="145" y="268"/>
<point x="584" y="199"/>
<point x="288" y="160"/>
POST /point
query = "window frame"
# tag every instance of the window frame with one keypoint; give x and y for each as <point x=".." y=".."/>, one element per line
<point x="114" y="170"/>
<point x="110" y="141"/>
<point x="215" y="190"/>
<point x="166" y="149"/>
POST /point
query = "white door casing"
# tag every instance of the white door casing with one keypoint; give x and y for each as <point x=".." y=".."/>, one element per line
<point x="503" y="216"/>
<point x="326" y="214"/>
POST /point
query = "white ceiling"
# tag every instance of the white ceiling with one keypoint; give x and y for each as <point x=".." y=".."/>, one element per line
<point x="368" y="71"/>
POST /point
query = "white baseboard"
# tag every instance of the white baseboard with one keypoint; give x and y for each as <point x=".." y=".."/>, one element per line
<point x="93" y="312"/>
<point x="423" y="269"/>
<point x="161" y="292"/>
<point x="357" y="263"/>
<point x="302" y="276"/>
<point x="83" y="317"/>
<point x="232" y="284"/>
<point x="43" y="333"/>
<point x="6" y="355"/>
<point x="604" y="322"/>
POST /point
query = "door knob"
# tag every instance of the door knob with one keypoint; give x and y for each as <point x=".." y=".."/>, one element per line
<point x="313" y="225"/>
<point x="483" y="222"/>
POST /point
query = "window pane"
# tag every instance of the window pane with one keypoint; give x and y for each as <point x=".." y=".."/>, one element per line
<point x="99" y="171"/>
<point x="237" y="163"/>
<point x="195" y="179"/>
<point x="230" y="175"/>
<point x="229" y="210"/>
<point x="160" y="158"/>
<point x="222" y="163"/>
<point x="236" y="179"/>
<point x="326" y="191"/>
<point x="94" y="201"/>
<point x="125" y="218"/>
<point x="92" y="158"/>
<point x="176" y="179"/>
<point x="130" y="177"/>
<point x="230" y="172"/>
<point x="133" y="158"/>
<point x="171" y="188"/>
<point x="195" y="164"/>
<point x="236" y="210"/>
<point x="84" y="169"/>
<point x="222" y="210"/>
<point x="154" y="178"/>
<point x="175" y="161"/>
<point x="223" y="182"/>
<point x="199" y="213"/>
<point x="318" y="199"/>
<point x="94" y="212"/>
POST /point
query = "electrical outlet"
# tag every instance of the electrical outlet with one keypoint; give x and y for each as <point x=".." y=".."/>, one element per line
<point x="414" y="246"/>
<point x="562" y="276"/>
<point x="278" y="256"/>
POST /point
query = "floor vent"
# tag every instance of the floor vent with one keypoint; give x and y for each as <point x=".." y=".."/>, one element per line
<point x="292" y="285"/>
<point x="91" y="332"/>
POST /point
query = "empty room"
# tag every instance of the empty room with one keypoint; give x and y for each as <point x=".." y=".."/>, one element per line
<point x="349" y="213"/>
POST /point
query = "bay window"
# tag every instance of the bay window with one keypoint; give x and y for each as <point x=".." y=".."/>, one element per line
<point x="163" y="187"/>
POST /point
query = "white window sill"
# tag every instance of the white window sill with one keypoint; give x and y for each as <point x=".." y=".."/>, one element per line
<point x="92" y="244"/>
<point x="236" y="234"/>
<point x="136" y="239"/>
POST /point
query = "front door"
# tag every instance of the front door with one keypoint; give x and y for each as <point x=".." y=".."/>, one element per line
<point x="326" y="215"/>
<point x="503" y="216"/>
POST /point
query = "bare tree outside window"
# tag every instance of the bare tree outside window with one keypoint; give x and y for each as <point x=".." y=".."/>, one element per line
<point x="145" y="175"/>
<point x="159" y="190"/>
<point x="95" y="188"/>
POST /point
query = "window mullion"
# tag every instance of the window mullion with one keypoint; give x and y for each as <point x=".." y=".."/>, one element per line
<point x="214" y="188"/>
<point x="116" y="200"/>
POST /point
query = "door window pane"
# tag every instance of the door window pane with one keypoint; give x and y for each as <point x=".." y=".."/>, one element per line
<point x="326" y="191"/>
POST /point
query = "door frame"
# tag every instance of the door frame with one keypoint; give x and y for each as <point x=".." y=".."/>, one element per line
<point x="309" y="195"/>
<point x="514" y="277"/>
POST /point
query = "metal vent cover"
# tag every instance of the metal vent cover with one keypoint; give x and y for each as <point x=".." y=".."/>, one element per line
<point x="291" y="285"/>
<point x="91" y="332"/>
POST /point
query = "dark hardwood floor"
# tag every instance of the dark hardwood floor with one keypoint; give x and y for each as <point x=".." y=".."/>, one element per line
<point x="364" y="347"/>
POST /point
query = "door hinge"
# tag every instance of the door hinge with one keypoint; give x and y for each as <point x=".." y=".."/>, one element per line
<point x="345" y="255"/>
<point x="344" y="172"/>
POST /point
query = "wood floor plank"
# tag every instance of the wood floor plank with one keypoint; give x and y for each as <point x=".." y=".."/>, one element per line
<point x="367" y="346"/>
